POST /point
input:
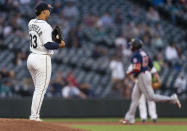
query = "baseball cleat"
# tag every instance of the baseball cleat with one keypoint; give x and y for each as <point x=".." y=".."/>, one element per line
<point x="177" y="101"/>
<point x="154" y="120"/>
<point x="123" y="121"/>
<point x="36" y="119"/>
<point x="143" y="120"/>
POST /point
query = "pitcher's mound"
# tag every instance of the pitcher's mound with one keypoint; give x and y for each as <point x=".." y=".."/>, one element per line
<point x="28" y="125"/>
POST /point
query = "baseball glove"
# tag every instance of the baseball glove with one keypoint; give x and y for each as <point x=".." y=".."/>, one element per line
<point x="156" y="85"/>
<point x="57" y="34"/>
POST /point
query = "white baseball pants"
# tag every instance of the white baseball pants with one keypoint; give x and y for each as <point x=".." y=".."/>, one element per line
<point x="39" y="67"/>
<point x="143" y="108"/>
<point x="143" y="86"/>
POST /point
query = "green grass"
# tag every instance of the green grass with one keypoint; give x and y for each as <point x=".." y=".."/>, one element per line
<point x="123" y="127"/>
<point x="131" y="128"/>
<point x="82" y="119"/>
<point x="104" y="119"/>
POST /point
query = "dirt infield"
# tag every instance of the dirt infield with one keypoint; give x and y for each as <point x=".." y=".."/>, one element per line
<point x="27" y="125"/>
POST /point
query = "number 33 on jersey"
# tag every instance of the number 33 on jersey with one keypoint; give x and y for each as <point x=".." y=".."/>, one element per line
<point x="33" y="39"/>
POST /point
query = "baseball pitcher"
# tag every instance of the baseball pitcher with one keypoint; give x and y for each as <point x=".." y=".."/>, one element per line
<point x="43" y="40"/>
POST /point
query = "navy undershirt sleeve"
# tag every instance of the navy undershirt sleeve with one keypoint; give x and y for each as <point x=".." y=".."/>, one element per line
<point x="51" y="45"/>
<point x="150" y="63"/>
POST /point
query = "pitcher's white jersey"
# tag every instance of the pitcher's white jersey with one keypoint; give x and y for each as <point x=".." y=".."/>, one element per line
<point x="40" y="32"/>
